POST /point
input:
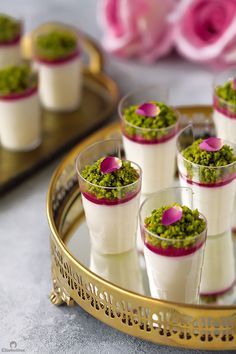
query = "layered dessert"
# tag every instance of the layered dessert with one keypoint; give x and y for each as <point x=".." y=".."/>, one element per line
<point x="225" y="114"/>
<point x="58" y="60"/>
<point x="174" y="238"/>
<point x="20" y="121"/>
<point x="110" y="190"/>
<point x="149" y="135"/>
<point x="209" y="168"/>
<point x="10" y="35"/>
<point x="225" y="110"/>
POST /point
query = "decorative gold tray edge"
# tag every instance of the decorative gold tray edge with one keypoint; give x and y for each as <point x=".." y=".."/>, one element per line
<point x="72" y="282"/>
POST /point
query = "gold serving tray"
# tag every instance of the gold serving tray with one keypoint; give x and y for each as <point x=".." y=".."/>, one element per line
<point x="190" y="326"/>
<point x="62" y="130"/>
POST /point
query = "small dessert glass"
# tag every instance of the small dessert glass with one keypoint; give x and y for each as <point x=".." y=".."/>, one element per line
<point x="155" y="155"/>
<point x="20" y="120"/>
<point x="112" y="222"/>
<point x="10" y="53"/>
<point x="215" y="200"/>
<point x="224" y="116"/>
<point x="60" y="79"/>
<point x="173" y="266"/>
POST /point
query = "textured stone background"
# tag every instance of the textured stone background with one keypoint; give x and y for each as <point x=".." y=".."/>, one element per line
<point x="26" y="315"/>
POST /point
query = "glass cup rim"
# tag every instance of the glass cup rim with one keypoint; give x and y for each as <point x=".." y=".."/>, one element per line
<point x="171" y="241"/>
<point x="129" y="94"/>
<point x="104" y="187"/>
<point x="223" y="100"/>
<point x="198" y="165"/>
<point x="229" y="71"/>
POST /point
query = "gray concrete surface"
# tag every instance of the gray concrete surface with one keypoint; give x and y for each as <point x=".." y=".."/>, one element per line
<point x="26" y="315"/>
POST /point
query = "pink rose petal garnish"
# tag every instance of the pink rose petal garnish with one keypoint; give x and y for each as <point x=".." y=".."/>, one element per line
<point x="171" y="215"/>
<point x="110" y="164"/>
<point x="234" y="84"/>
<point x="148" y="110"/>
<point x="211" y="144"/>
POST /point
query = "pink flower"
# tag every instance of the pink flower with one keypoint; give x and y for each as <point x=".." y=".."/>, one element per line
<point x="137" y="28"/>
<point x="206" y="30"/>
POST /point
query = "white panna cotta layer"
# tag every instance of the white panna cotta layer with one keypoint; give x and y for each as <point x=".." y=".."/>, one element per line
<point x="20" y="123"/>
<point x="174" y="278"/>
<point x="218" y="273"/>
<point x="156" y="160"/>
<point x="60" y="84"/>
<point x="10" y="54"/>
<point x="226" y="129"/>
<point x="225" y="126"/>
<point x="215" y="203"/>
<point x="112" y="228"/>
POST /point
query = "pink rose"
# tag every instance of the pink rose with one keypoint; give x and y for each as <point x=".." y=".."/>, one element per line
<point x="137" y="28"/>
<point x="206" y="30"/>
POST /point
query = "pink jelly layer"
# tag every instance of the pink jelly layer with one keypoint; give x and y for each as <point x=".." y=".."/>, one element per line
<point x="15" y="40"/>
<point x="18" y="96"/>
<point x="223" y="110"/>
<point x="174" y="252"/>
<point x="104" y="201"/>
<point x="210" y="185"/>
<point x="219" y="292"/>
<point x="141" y="140"/>
<point x="59" y="60"/>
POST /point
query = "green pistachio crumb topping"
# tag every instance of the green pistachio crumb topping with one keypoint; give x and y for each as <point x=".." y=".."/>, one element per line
<point x="223" y="157"/>
<point x="55" y="45"/>
<point x="124" y="176"/>
<point x="166" y="118"/>
<point x="16" y="79"/>
<point x="227" y="93"/>
<point x="182" y="231"/>
<point x="9" y="28"/>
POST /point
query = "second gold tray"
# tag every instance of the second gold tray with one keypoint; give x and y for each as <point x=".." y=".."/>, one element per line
<point x="62" y="130"/>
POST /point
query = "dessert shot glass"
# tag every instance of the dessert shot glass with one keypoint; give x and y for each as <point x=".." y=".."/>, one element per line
<point x="224" y="103"/>
<point x="173" y="265"/>
<point x="20" y="118"/>
<point x="224" y="114"/>
<point x="10" y="36"/>
<point x="153" y="149"/>
<point x="213" y="186"/>
<point x="213" y="195"/>
<point x="60" y="74"/>
<point x="111" y="212"/>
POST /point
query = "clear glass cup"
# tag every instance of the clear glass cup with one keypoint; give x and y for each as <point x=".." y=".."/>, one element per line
<point x="60" y="79"/>
<point x="153" y="149"/>
<point x="224" y="116"/>
<point x="173" y="266"/>
<point x="112" y="220"/>
<point x="20" y="120"/>
<point x="215" y="200"/>
<point x="10" y="51"/>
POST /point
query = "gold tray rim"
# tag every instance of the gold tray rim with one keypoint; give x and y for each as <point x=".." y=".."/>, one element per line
<point x="113" y="127"/>
<point x="201" y="310"/>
